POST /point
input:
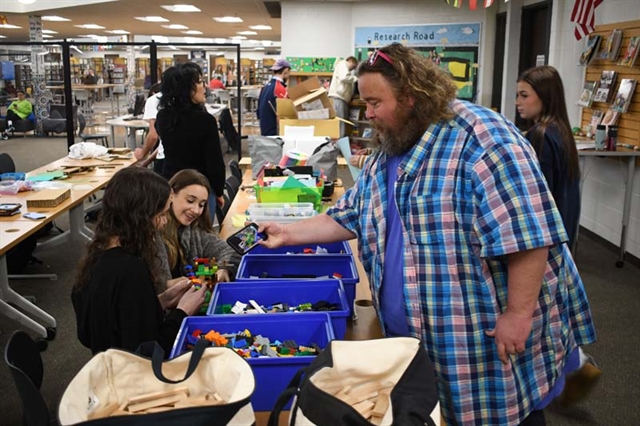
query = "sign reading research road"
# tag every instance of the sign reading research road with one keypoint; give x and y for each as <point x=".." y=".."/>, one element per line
<point x="466" y="34"/>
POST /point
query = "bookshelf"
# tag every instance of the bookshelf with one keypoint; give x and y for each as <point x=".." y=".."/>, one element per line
<point x="24" y="76"/>
<point x="359" y="138"/>
<point x="629" y="122"/>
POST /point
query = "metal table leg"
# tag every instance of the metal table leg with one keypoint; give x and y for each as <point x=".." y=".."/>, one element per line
<point x="78" y="230"/>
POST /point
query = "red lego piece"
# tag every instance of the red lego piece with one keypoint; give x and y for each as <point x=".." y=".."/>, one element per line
<point x="196" y="333"/>
<point x="337" y="275"/>
<point x="308" y="251"/>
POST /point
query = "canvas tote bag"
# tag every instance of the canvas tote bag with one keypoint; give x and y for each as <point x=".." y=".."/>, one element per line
<point x="114" y="377"/>
<point x="263" y="149"/>
<point x="384" y="381"/>
<point x="325" y="158"/>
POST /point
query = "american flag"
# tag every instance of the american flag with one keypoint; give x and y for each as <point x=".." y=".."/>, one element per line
<point x="583" y="16"/>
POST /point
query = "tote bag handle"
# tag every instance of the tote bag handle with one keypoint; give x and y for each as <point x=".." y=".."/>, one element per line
<point x="157" y="358"/>
<point x="291" y="390"/>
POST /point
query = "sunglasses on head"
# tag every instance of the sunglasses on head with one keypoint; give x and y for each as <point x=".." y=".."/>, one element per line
<point x="378" y="54"/>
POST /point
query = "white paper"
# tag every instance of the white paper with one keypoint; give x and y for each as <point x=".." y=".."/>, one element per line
<point x="316" y="114"/>
<point x="299" y="131"/>
<point x="581" y="146"/>
<point x="345" y="149"/>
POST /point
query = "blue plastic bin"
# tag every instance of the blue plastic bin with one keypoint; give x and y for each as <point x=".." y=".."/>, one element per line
<point x="290" y="292"/>
<point x="284" y="266"/>
<point x="341" y="247"/>
<point x="272" y="374"/>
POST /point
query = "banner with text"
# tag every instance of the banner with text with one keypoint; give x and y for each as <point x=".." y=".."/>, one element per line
<point x="466" y="34"/>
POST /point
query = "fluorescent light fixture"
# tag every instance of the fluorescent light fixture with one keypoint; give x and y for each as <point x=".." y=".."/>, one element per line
<point x="47" y="36"/>
<point x="9" y="26"/>
<point x="192" y="32"/>
<point x="220" y="40"/>
<point x="260" y="27"/>
<point x="266" y="42"/>
<point x="238" y="38"/>
<point x="192" y="40"/>
<point x="152" y="19"/>
<point x="176" y="27"/>
<point x="259" y="48"/>
<point x="49" y="32"/>
<point x="27" y="1"/>
<point x="1" y="36"/>
<point x="181" y="8"/>
<point x="227" y="19"/>
<point x="247" y="32"/>
<point x="117" y="32"/>
<point x="90" y="26"/>
<point x="160" y="39"/>
<point x="54" y="18"/>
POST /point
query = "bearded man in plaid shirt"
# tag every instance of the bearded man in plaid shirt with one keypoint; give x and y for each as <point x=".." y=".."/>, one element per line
<point x="462" y="243"/>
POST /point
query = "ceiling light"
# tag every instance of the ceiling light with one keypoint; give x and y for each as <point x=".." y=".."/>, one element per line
<point x="260" y="27"/>
<point x="49" y="32"/>
<point x="247" y="32"/>
<point x="1" y="36"/>
<point x="27" y="1"/>
<point x="176" y="27"/>
<point x="238" y="38"/>
<point x="47" y="36"/>
<point x="192" y="40"/>
<point x="54" y="18"/>
<point x="117" y="32"/>
<point x="90" y="26"/>
<point x="227" y="19"/>
<point x="266" y="42"/>
<point x="259" y="48"/>
<point x="9" y="26"/>
<point x="192" y="32"/>
<point x="160" y="39"/>
<point x="220" y="40"/>
<point x="152" y="18"/>
<point x="181" y="8"/>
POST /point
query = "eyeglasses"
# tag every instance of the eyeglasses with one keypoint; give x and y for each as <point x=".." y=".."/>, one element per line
<point x="200" y="81"/>
<point x="378" y="54"/>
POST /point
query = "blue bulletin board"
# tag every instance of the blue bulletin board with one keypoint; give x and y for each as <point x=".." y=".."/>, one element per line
<point x="453" y="47"/>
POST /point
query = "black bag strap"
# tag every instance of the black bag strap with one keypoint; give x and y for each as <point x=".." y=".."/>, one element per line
<point x="291" y="390"/>
<point x="157" y="358"/>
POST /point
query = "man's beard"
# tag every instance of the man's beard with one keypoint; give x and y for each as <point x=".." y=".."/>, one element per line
<point x="394" y="142"/>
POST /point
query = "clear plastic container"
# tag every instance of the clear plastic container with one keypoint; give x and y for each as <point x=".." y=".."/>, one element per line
<point x="280" y="212"/>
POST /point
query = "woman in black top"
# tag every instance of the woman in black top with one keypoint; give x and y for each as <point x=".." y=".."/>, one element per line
<point x="188" y="132"/>
<point x="114" y="296"/>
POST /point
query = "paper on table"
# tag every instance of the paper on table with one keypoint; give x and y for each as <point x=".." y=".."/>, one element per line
<point x="345" y="149"/>
<point x="581" y="146"/>
<point x="47" y="176"/>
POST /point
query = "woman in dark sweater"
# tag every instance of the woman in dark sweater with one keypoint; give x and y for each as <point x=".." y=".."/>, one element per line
<point x="189" y="133"/>
<point x="114" y="296"/>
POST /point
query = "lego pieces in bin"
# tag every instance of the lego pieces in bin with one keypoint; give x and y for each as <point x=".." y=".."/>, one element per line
<point x="320" y="306"/>
<point x="202" y="272"/>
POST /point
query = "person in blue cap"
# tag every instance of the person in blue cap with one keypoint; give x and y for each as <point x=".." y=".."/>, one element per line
<point x="275" y="88"/>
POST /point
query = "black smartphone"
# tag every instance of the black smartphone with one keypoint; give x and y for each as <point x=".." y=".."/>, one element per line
<point x="246" y="239"/>
<point x="9" y="209"/>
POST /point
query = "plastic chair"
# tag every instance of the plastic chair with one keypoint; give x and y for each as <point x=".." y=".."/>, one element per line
<point x="6" y="163"/>
<point x="234" y="167"/>
<point x="22" y="356"/>
<point x="232" y="184"/>
<point x="222" y="212"/>
<point x="103" y="137"/>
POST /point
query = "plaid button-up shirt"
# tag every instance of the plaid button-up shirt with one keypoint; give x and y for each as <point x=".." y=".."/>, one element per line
<point x="469" y="193"/>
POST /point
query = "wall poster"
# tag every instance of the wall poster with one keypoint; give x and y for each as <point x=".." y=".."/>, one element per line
<point x="453" y="47"/>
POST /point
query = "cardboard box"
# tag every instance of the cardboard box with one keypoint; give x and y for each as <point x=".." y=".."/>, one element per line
<point x="330" y="128"/>
<point x="309" y="90"/>
<point x="48" y="198"/>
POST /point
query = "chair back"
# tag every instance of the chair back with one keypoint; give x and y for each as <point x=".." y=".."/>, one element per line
<point x="223" y="95"/>
<point x="222" y="212"/>
<point x="234" y="167"/>
<point x="83" y="123"/>
<point x="6" y="163"/>
<point x="253" y="93"/>
<point x="232" y="184"/>
<point x="23" y="359"/>
<point x="118" y="89"/>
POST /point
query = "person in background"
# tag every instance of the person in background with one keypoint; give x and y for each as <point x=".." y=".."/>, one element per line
<point x="216" y="83"/>
<point x="462" y="243"/>
<point x="188" y="233"/>
<point x="341" y="88"/>
<point x="189" y="133"/>
<point x="540" y="98"/>
<point x="114" y="296"/>
<point x="274" y="89"/>
<point x="18" y="110"/>
<point x="152" y="143"/>
<point x="90" y="78"/>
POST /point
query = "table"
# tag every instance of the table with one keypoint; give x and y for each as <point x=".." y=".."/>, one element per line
<point x="89" y="88"/>
<point x="15" y="229"/>
<point x="367" y="325"/>
<point x="131" y="125"/>
<point x="631" y="156"/>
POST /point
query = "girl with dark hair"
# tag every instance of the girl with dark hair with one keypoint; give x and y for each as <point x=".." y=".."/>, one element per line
<point x="114" y="296"/>
<point x="540" y="98"/>
<point x="188" y="232"/>
<point x="188" y="132"/>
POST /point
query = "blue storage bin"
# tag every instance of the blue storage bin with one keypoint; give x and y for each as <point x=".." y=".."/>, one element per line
<point x="341" y="247"/>
<point x="284" y="266"/>
<point x="290" y="292"/>
<point x="272" y="374"/>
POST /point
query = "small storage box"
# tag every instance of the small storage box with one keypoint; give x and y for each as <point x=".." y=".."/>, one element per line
<point x="278" y="267"/>
<point x="290" y="292"/>
<point x="341" y="247"/>
<point x="272" y="374"/>
<point x="280" y="212"/>
<point x="290" y="195"/>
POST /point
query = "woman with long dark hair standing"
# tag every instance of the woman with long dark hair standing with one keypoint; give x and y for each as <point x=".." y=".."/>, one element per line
<point x="188" y="132"/>
<point x="114" y="296"/>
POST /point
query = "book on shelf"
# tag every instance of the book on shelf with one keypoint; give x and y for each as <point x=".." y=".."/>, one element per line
<point x="606" y="87"/>
<point x="366" y="133"/>
<point x="611" y="46"/>
<point x="588" y="92"/>
<point x="630" y="55"/>
<point x="610" y="118"/>
<point x="354" y="114"/>
<point x="590" y="49"/>
<point x="624" y="95"/>
<point x="596" y="118"/>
